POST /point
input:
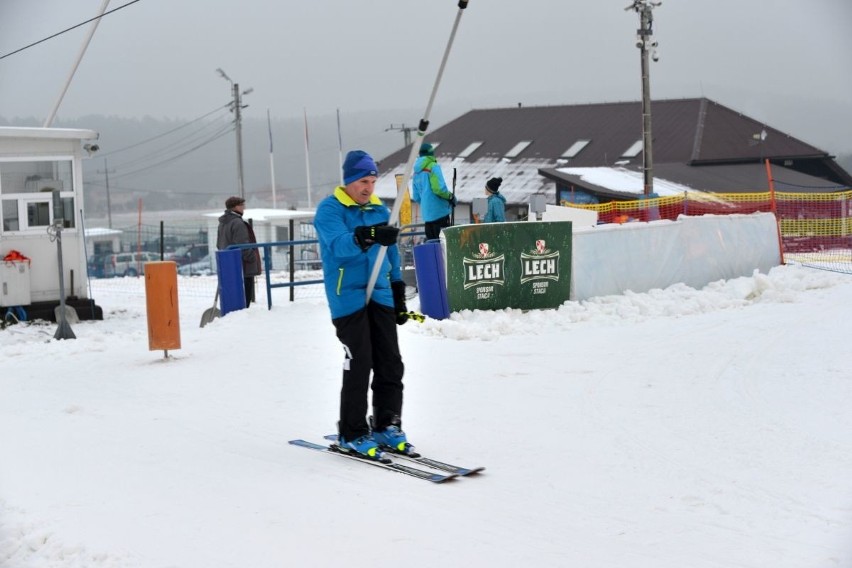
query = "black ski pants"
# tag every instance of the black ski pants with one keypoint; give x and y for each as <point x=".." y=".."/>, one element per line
<point x="370" y="342"/>
<point x="433" y="228"/>
<point x="248" y="283"/>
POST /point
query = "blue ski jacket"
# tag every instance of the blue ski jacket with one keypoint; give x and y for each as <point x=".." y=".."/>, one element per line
<point x="496" y="209"/>
<point x="430" y="190"/>
<point x="346" y="268"/>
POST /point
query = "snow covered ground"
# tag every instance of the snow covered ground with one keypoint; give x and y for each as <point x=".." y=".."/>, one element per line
<point x="678" y="428"/>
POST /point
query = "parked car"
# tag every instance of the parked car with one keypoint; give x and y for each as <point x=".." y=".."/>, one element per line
<point x="188" y="253"/>
<point x="201" y="267"/>
<point x="128" y="263"/>
<point x="95" y="266"/>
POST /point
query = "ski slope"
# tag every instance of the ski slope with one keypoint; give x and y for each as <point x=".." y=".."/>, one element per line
<point x="702" y="428"/>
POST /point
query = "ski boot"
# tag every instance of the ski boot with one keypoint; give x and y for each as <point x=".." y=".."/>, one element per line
<point x="362" y="447"/>
<point x="393" y="439"/>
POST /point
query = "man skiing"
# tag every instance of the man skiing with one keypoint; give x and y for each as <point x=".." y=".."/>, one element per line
<point x="352" y="225"/>
<point x="430" y="191"/>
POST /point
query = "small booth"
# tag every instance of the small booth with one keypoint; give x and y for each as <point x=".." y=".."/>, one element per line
<point x="41" y="192"/>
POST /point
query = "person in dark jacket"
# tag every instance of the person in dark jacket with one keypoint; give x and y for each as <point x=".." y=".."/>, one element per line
<point x="233" y="230"/>
<point x="430" y="190"/>
<point x="352" y="227"/>
<point x="496" y="202"/>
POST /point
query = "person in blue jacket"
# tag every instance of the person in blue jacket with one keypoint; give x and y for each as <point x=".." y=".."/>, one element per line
<point x="430" y="190"/>
<point x="496" y="202"/>
<point x="352" y="227"/>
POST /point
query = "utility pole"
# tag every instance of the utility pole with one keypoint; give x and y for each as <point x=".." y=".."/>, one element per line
<point x="647" y="45"/>
<point x="106" y="171"/>
<point x="236" y="108"/>
<point x="406" y="131"/>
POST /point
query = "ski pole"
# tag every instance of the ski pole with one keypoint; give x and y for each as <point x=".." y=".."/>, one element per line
<point x="453" y="209"/>
<point x="412" y="155"/>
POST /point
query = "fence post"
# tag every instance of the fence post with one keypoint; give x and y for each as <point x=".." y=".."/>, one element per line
<point x="774" y="208"/>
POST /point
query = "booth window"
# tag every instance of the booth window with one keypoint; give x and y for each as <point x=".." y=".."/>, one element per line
<point x="27" y="187"/>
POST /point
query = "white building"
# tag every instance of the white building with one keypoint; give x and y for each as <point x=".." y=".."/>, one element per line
<point x="41" y="191"/>
<point x="276" y="225"/>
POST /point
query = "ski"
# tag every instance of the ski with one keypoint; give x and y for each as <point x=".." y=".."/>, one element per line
<point x="392" y="466"/>
<point x="428" y="462"/>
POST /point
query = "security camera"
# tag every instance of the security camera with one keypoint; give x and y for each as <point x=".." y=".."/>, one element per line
<point x="91" y="148"/>
<point x="655" y="56"/>
<point x="640" y="43"/>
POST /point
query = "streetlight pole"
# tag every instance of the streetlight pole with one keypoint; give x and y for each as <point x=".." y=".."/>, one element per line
<point x="106" y="173"/>
<point x="647" y="45"/>
<point x="236" y="108"/>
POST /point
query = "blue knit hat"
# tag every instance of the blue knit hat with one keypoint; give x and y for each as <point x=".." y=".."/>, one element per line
<point x="427" y="149"/>
<point x="358" y="164"/>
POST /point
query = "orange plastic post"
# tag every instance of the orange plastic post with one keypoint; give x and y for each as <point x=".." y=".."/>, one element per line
<point x="774" y="207"/>
<point x="161" y="299"/>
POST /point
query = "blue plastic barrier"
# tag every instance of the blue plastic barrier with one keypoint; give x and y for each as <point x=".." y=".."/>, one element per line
<point x="431" y="280"/>
<point x="232" y="293"/>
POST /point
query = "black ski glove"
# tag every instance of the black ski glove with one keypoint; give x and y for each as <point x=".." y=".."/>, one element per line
<point x="453" y="201"/>
<point x="384" y="234"/>
<point x="399" y="307"/>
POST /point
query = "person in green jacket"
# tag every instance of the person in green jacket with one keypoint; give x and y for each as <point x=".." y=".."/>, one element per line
<point x="430" y="190"/>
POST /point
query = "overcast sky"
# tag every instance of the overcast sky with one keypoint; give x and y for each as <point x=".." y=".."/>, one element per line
<point x="785" y="62"/>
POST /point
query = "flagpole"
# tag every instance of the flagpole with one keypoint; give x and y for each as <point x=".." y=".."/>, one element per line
<point x="339" y="147"/>
<point x="308" y="160"/>
<point x="49" y="120"/>
<point x="271" y="161"/>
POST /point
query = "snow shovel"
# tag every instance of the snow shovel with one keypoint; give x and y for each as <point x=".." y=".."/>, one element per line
<point x="211" y="313"/>
<point x="69" y="311"/>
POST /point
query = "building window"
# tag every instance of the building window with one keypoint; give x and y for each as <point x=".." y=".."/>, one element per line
<point x="470" y="149"/>
<point x="633" y="151"/>
<point x="27" y="192"/>
<point x="517" y="149"/>
<point x="10" y="215"/>
<point x="575" y="148"/>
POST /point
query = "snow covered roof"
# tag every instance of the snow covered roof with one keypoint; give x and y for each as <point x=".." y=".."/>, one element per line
<point x="261" y="214"/>
<point x="33" y="132"/>
<point x="624" y="180"/>
<point x="520" y="179"/>
<point x="102" y="232"/>
<point x="698" y="139"/>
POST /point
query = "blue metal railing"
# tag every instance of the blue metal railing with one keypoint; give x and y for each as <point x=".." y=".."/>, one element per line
<point x="267" y="265"/>
<point x="267" y="261"/>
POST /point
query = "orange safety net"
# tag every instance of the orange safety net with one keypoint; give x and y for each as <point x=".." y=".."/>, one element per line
<point x="815" y="228"/>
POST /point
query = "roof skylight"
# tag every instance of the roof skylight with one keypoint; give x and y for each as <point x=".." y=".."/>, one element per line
<point x="469" y="150"/>
<point x="575" y="148"/>
<point x="517" y="149"/>
<point x="633" y="151"/>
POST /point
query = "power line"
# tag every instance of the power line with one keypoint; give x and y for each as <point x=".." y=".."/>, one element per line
<point x="222" y="132"/>
<point x="158" y="136"/>
<point x="67" y="30"/>
<point x="184" y="141"/>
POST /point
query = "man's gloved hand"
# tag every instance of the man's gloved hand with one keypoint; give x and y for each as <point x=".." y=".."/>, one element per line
<point x="384" y="234"/>
<point x="399" y="307"/>
<point x="453" y="200"/>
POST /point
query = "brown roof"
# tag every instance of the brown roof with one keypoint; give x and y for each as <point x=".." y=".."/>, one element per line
<point x="684" y="130"/>
<point x="689" y="132"/>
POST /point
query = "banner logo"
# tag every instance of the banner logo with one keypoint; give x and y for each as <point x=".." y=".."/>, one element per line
<point x="483" y="251"/>
<point x="540" y="264"/>
<point x="484" y="268"/>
